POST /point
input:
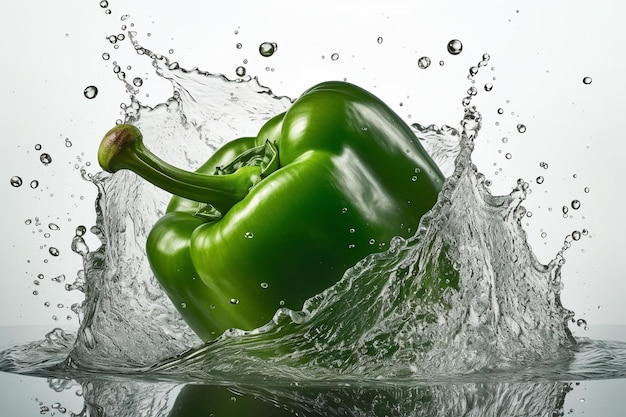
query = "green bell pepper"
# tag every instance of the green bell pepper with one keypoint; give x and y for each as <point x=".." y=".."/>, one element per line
<point x="271" y="220"/>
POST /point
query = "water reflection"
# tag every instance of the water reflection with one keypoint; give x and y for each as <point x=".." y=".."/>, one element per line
<point x="133" y="398"/>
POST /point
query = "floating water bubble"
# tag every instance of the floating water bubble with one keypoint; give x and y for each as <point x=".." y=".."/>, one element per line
<point x="380" y="39"/>
<point x="53" y="251"/>
<point x="268" y="49"/>
<point x="334" y="56"/>
<point x="240" y="71"/>
<point x="91" y="92"/>
<point x="587" y="80"/>
<point x="575" y="204"/>
<point x="423" y="62"/>
<point x="16" y="181"/>
<point x="45" y="158"/>
<point x="455" y="47"/>
<point x="34" y="184"/>
<point x="137" y="82"/>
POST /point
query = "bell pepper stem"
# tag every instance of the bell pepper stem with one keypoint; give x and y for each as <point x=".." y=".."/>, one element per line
<point x="122" y="148"/>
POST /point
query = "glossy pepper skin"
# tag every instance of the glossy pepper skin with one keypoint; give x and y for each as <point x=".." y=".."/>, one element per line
<point x="271" y="220"/>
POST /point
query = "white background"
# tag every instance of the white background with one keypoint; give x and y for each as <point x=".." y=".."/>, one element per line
<point x="540" y="51"/>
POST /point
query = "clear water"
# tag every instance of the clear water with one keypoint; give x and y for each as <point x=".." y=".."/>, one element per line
<point x="374" y="344"/>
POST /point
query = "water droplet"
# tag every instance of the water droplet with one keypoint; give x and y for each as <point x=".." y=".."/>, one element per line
<point x="239" y="46"/>
<point x="508" y="156"/>
<point x="472" y="91"/>
<point x="104" y="4"/>
<point x="372" y="241"/>
<point x="455" y="47"/>
<point x="36" y="292"/>
<point x="34" y="184"/>
<point x="267" y="49"/>
<point x="414" y="178"/>
<point x="334" y="56"/>
<point x="500" y="110"/>
<point x="137" y="82"/>
<point x="344" y="210"/>
<point x="91" y="92"/>
<point x="265" y="285"/>
<point x="53" y="251"/>
<point x="234" y="301"/>
<point x="38" y="147"/>
<point x="53" y="226"/>
<point x="183" y="305"/>
<point x="352" y="230"/>
<point x="473" y="71"/>
<point x="544" y="234"/>
<point x="587" y="80"/>
<point x="240" y="71"/>
<point x="488" y="87"/>
<point x="543" y="165"/>
<point x="576" y="235"/>
<point x="16" y="181"/>
<point x="539" y="180"/>
<point x="565" y="209"/>
<point x="68" y="143"/>
<point x="27" y="221"/>
<point x="282" y="302"/>
<point x="81" y="230"/>
<point x="423" y="62"/>
<point x="351" y="246"/>
<point x="380" y="39"/>
<point x="45" y="158"/>
<point x="249" y="235"/>
<point x="582" y="323"/>
<point x="521" y="128"/>
<point x="575" y="204"/>
<point x="586" y="189"/>
<point x="505" y="139"/>
<point x="121" y="37"/>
